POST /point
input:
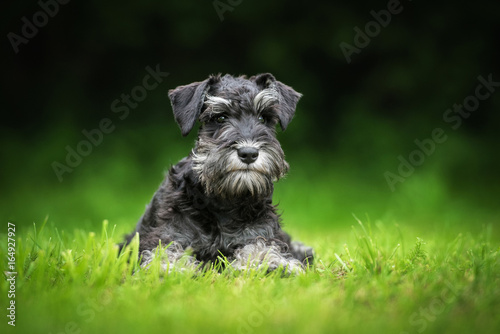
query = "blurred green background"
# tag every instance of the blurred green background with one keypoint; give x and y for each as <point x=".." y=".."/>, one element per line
<point x="354" y="121"/>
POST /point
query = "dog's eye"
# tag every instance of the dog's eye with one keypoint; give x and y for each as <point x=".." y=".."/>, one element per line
<point x="221" y="119"/>
<point x="262" y="119"/>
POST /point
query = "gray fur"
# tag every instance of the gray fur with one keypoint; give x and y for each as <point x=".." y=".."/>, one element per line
<point x="218" y="200"/>
<point x="260" y="255"/>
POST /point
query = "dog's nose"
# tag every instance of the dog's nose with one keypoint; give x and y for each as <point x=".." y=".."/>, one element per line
<point x="248" y="154"/>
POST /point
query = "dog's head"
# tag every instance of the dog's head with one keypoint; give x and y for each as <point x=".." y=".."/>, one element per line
<point x="237" y="153"/>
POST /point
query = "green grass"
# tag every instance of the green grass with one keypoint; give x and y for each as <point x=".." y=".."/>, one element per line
<point x="372" y="277"/>
<point x="424" y="260"/>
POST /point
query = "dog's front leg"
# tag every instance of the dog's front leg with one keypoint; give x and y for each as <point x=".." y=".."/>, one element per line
<point x="263" y="254"/>
<point x="173" y="258"/>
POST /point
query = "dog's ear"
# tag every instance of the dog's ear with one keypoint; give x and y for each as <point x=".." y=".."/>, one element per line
<point x="187" y="102"/>
<point x="288" y="97"/>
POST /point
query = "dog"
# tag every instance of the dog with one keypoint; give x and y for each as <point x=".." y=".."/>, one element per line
<point x="217" y="202"/>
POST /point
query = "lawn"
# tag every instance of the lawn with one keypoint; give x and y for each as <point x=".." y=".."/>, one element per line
<point x="369" y="277"/>
<point x="423" y="259"/>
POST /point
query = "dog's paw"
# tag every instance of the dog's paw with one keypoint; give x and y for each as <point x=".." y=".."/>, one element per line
<point x="288" y="268"/>
<point x="174" y="258"/>
<point x="260" y="255"/>
<point x="303" y="253"/>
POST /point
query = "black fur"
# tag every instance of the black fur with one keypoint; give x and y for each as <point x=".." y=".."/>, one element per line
<point x="208" y="202"/>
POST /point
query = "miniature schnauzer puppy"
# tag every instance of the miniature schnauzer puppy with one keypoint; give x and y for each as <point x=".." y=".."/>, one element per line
<point x="217" y="202"/>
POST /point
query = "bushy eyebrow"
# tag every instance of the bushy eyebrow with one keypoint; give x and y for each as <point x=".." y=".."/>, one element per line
<point x="265" y="99"/>
<point x="217" y="104"/>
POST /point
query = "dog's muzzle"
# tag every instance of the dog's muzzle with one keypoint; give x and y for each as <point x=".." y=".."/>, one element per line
<point x="245" y="168"/>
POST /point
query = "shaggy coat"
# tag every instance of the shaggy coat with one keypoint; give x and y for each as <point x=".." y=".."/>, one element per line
<point x="218" y="200"/>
